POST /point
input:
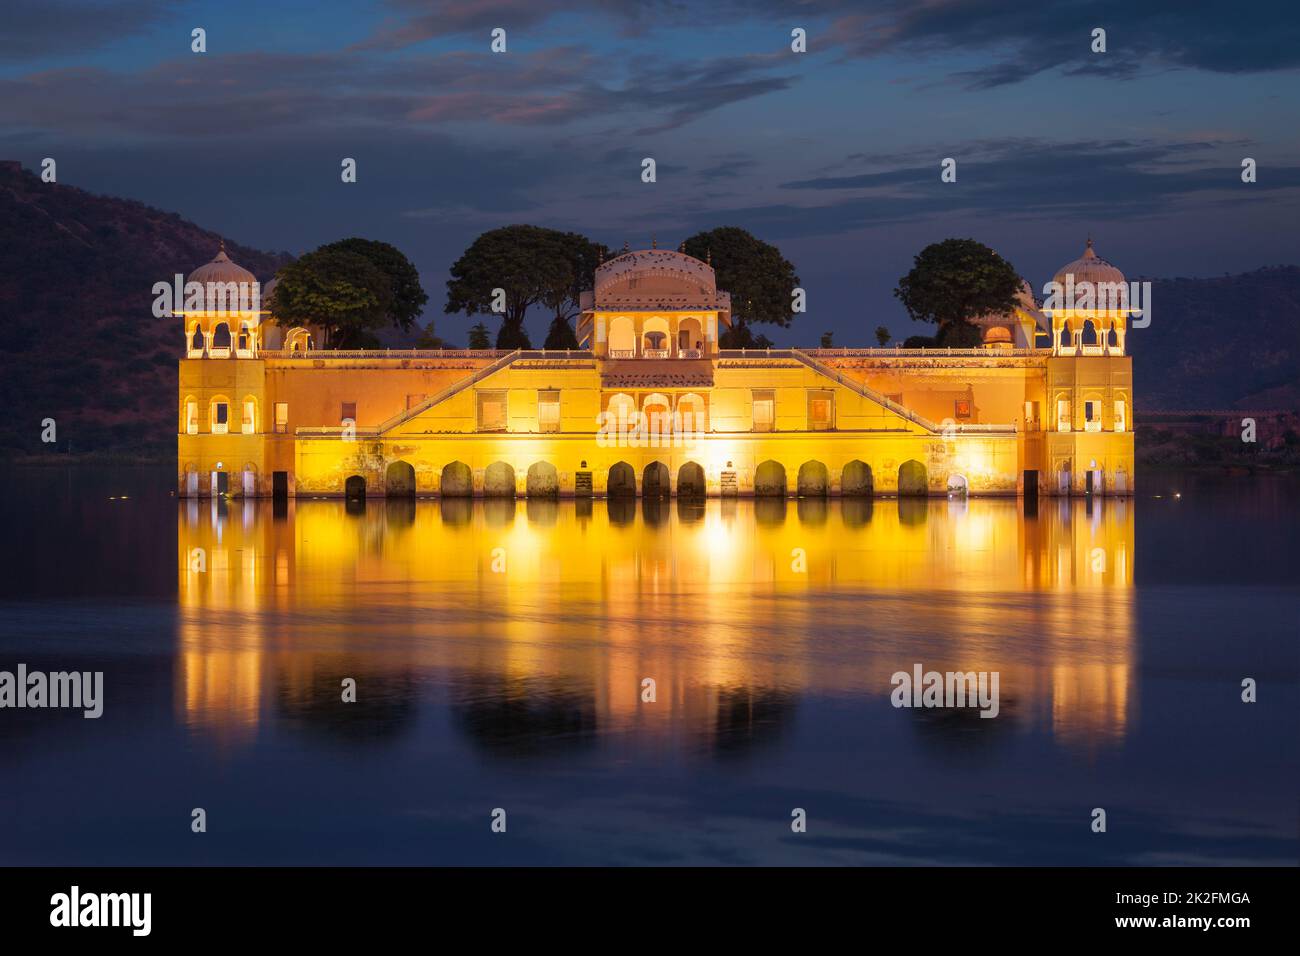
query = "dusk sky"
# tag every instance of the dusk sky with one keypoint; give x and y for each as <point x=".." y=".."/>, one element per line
<point x="833" y="155"/>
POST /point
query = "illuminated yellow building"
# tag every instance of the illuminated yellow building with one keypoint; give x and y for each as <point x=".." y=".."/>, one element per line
<point x="653" y="406"/>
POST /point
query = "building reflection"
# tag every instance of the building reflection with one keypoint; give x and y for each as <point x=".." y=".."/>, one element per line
<point x="542" y="619"/>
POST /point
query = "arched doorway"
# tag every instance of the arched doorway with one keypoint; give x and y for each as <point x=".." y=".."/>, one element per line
<point x="855" y="479"/>
<point x="814" y="480"/>
<point x="690" y="481"/>
<point x="543" y="480"/>
<point x="622" y="481"/>
<point x="656" y="413"/>
<point x="958" y="485"/>
<point x="399" y="480"/>
<point x="689" y="335"/>
<point x="622" y="338"/>
<point x="655" y="481"/>
<point x="457" y="481"/>
<point x="355" y="488"/>
<point x="913" y="480"/>
<point x="769" y="480"/>
<point x="654" y="337"/>
<point x="499" y="480"/>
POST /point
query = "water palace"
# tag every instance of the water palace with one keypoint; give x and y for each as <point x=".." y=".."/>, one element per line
<point x="651" y="405"/>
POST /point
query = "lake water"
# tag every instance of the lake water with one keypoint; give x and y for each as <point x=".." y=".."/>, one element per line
<point x="499" y="651"/>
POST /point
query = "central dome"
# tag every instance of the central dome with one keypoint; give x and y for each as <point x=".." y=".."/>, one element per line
<point x="1089" y="267"/>
<point x="221" y="270"/>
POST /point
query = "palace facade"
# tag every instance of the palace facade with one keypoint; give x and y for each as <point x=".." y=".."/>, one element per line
<point x="651" y="405"/>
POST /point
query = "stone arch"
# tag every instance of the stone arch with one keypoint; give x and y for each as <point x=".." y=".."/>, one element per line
<point x="297" y="340"/>
<point x="856" y="479"/>
<point x="219" y="408"/>
<point x="190" y="415"/>
<point x="690" y="333"/>
<point x="655" y="481"/>
<point x="399" y="480"/>
<point x="654" y="334"/>
<point x="499" y="480"/>
<point x="457" y="481"/>
<point x="769" y="480"/>
<point x="913" y="479"/>
<point x="221" y="342"/>
<point x="543" y="480"/>
<point x="195" y="342"/>
<point x="814" y="480"/>
<point x="355" y="488"/>
<point x="958" y="485"/>
<point x="690" y="481"/>
<point x="622" y="336"/>
<point x="622" y="481"/>
<point x="690" y="413"/>
<point x="248" y="415"/>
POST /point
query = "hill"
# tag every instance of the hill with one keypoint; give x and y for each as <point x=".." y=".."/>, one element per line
<point x="1223" y="343"/>
<point x="80" y="342"/>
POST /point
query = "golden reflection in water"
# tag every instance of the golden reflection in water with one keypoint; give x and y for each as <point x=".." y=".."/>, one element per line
<point x="545" y="616"/>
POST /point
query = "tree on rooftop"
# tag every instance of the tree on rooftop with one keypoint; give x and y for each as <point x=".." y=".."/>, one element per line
<point x="760" y="279"/>
<point x="342" y="292"/>
<point x="531" y="265"/>
<point x="953" y="282"/>
<point x="408" y="296"/>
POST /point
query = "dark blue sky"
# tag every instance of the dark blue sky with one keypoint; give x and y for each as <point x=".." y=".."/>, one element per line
<point x="833" y="155"/>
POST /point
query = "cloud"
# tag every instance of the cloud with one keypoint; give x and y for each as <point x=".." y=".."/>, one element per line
<point x="1031" y="38"/>
<point x="34" y="29"/>
<point x="1021" y="178"/>
<point x="218" y="96"/>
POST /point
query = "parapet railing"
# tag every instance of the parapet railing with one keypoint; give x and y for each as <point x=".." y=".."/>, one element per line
<point x="383" y="353"/>
<point x="450" y="390"/>
<point x="887" y="351"/>
<point x="882" y="399"/>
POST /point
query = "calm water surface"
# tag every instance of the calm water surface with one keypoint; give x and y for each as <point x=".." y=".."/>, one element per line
<point x="499" y="649"/>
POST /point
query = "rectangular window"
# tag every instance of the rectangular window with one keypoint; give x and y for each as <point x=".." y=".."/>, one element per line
<point x="764" y="411"/>
<point x="1031" y="416"/>
<point x="1062" y="414"/>
<point x="1121" y="415"/>
<point x="348" y="412"/>
<point x="548" y="411"/>
<point x="1092" y="416"/>
<point x="491" y="410"/>
<point x="821" y="410"/>
<point x="220" y="418"/>
<point x="250" y="424"/>
<point x="191" y="418"/>
<point x="413" y="400"/>
<point x="281" y="417"/>
<point x="961" y="408"/>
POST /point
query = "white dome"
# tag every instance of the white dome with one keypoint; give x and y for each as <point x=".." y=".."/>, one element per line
<point x="1089" y="267"/>
<point x="221" y="270"/>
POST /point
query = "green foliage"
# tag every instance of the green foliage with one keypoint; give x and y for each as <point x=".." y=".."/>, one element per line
<point x="479" y="337"/>
<point x="560" y="335"/>
<point x="828" y="340"/>
<point x="342" y="292"/>
<point x="513" y="335"/>
<point x="533" y="266"/>
<point x="741" y="336"/>
<point x="408" y="296"/>
<point x="761" y="280"/>
<point x="954" y="281"/>
<point x="430" y="339"/>
<point x="883" y="335"/>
